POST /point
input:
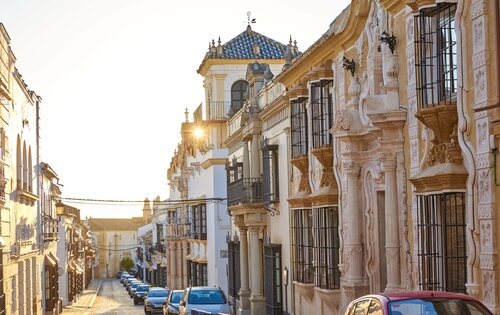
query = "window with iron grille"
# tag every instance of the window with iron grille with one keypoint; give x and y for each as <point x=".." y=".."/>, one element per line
<point x="199" y="223"/>
<point x="326" y="247"/>
<point x="436" y="55"/>
<point x="234" y="171"/>
<point x="238" y="91"/>
<point x="441" y="242"/>
<point x="321" y="113"/>
<point x="234" y="276"/>
<point x="302" y="245"/>
<point x="273" y="284"/>
<point x="2" y="293"/>
<point x="270" y="172"/>
<point x="299" y="127"/>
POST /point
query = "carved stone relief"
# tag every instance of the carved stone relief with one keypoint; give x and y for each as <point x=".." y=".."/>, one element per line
<point x="409" y="30"/>
<point x="484" y="182"/>
<point x="480" y="85"/>
<point x="478" y="35"/>
<point x="478" y="8"/>
<point x="486" y="211"/>
<point x="486" y="231"/>
<point x="488" y="287"/>
<point x="482" y="135"/>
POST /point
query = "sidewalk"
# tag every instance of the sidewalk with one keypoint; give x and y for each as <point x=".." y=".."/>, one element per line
<point x="87" y="298"/>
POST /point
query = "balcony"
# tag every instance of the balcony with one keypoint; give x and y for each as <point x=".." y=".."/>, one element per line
<point x="217" y="110"/>
<point x="160" y="247"/>
<point x="50" y="229"/>
<point x="244" y="190"/>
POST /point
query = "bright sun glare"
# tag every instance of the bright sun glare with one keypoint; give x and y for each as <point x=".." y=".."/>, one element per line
<point x="198" y="132"/>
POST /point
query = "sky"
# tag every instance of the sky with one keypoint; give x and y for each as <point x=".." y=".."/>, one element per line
<point x="116" y="76"/>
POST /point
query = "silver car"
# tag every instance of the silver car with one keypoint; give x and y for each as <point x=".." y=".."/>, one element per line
<point x="204" y="299"/>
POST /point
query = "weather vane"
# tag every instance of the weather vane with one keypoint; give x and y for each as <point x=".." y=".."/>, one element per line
<point x="250" y="20"/>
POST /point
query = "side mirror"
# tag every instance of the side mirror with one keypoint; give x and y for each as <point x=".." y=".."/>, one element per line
<point x="182" y="303"/>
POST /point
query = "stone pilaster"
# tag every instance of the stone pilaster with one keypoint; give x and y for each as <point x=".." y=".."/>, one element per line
<point x="244" y="290"/>
<point x="255" y="154"/>
<point x="392" y="245"/>
<point x="257" y="300"/>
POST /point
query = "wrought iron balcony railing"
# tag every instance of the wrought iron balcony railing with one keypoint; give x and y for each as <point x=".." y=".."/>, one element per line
<point x="244" y="190"/>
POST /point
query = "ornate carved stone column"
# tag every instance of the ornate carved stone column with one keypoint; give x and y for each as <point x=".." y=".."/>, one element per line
<point x="246" y="160"/>
<point x="391" y="222"/>
<point x="244" y="290"/>
<point x="178" y="256"/>
<point x="257" y="300"/>
<point x="353" y="252"/>
<point x="255" y="169"/>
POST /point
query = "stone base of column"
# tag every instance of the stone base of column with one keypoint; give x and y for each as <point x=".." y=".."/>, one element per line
<point x="244" y="308"/>
<point x="257" y="305"/>
<point x="352" y="290"/>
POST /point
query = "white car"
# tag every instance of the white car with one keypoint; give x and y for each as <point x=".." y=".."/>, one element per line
<point x="204" y="299"/>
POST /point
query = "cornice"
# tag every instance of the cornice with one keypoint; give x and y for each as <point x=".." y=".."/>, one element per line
<point x="393" y="6"/>
<point x="329" y="45"/>
<point x="207" y="63"/>
<point x="212" y="162"/>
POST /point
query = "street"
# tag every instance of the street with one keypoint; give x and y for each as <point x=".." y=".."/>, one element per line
<point x="112" y="298"/>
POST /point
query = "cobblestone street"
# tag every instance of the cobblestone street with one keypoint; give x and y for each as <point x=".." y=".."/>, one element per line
<point x="112" y="298"/>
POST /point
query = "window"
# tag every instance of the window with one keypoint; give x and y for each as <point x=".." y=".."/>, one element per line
<point x="326" y="247"/>
<point x="299" y="127"/>
<point x="270" y="172"/>
<point x="197" y="274"/>
<point x="436" y="55"/>
<point x="199" y="223"/>
<point x="441" y="242"/>
<point x="321" y="113"/>
<point x="302" y="245"/>
<point x="273" y="283"/>
<point x="238" y="91"/>
<point x="234" y="276"/>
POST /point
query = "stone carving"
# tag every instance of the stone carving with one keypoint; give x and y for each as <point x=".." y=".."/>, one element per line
<point x="486" y="211"/>
<point x="478" y="8"/>
<point x="486" y="243"/>
<point x="478" y="35"/>
<point x="342" y="123"/>
<point x="409" y="30"/>
<point x="488" y="287"/>
<point x="480" y="85"/>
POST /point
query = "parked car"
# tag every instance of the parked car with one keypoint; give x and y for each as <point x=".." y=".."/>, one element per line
<point x="129" y="282"/>
<point x="125" y="276"/>
<point x="140" y="293"/>
<point x="129" y="285"/>
<point x="206" y="299"/>
<point x="133" y="287"/>
<point x="127" y="279"/>
<point x="417" y="303"/>
<point x="119" y="274"/>
<point x="171" y="305"/>
<point x="153" y="303"/>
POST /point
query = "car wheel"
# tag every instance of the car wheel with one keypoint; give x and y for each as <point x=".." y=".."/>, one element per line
<point x="145" y="311"/>
<point x="136" y="302"/>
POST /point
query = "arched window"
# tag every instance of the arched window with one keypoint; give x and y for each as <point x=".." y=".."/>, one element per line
<point x="238" y="91"/>
<point x="30" y="171"/>
<point x="19" y="164"/>
<point x="25" y="168"/>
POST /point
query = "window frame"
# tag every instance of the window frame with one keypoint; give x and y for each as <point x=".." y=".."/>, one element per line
<point x="321" y="113"/>
<point x="326" y="245"/>
<point x="436" y="56"/>
<point x="441" y="241"/>
<point x="299" y="127"/>
<point x="273" y="286"/>
<point x="239" y="87"/>
<point x="302" y="245"/>
<point x="270" y="172"/>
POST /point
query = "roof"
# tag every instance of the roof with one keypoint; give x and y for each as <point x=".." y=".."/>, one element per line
<point x="113" y="224"/>
<point x="248" y="45"/>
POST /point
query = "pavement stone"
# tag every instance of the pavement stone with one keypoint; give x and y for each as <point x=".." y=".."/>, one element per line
<point x="87" y="298"/>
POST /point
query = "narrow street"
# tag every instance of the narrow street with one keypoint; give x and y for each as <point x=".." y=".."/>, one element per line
<point x="112" y="298"/>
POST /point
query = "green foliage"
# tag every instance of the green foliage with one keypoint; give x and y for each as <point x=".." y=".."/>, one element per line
<point x="127" y="263"/>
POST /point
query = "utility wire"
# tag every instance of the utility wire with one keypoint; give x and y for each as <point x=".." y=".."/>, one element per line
<point x="119" y="201"/>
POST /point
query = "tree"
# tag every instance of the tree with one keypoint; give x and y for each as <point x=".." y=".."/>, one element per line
<point x="127" y="263"/>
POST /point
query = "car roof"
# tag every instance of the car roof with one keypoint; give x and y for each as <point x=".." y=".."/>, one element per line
<point x="205" y="288"/>
<point x="405" y="295"/>
<point x="158" y="288"/>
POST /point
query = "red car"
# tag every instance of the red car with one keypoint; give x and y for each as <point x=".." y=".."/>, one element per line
<point x="416" y="303"/>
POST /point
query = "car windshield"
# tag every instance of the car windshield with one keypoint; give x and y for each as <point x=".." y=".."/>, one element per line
<point x="436" y="307"/>
<point x="158" y="293"/>
<point x="142" y="288"/>
<point x="176" y="297"/>
<point x="135" y="285"/>
<point x="206" y="297"/>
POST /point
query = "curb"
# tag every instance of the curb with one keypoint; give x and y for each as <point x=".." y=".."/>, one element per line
<point x="95" y="295"/>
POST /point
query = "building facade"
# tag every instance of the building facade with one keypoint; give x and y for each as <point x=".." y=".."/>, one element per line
<point x="390" y="127"/>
